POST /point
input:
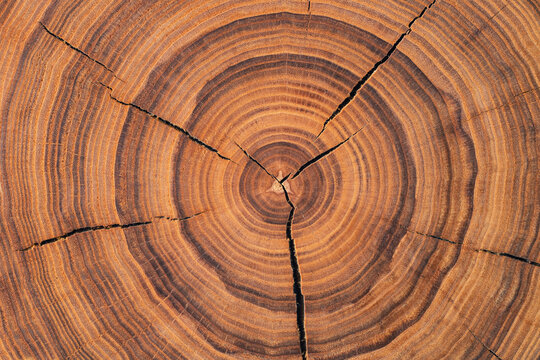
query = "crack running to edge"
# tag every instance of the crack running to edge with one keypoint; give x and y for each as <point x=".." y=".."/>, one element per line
<point x="169" y="124"/>
<point x="103" y="227"/>
<point x="484" y="345"/>
<point x="297" y="279"/>
<point x="78" y="50"/>
<point x="368" y="75"/>
<point x="511" y="256"/>
<point x="319" y="157"/>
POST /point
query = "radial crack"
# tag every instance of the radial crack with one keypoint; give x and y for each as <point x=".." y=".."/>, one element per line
<point x="83" y="230"/>
<point x="169" y="124"/>
<point x="78" y="50"/>
<point x="435" y="237"/>
<point x="285" y="178"/>
<point x="320" y="156"/>
<point x="370" y="73"/>
<point x="297" y="279"/>
<point x="103" y="227"/>
<point x="256" y="162"/>
<point x="511" y="256"/>
<point x="180" y="219"/>
<point x="484" y="345"/>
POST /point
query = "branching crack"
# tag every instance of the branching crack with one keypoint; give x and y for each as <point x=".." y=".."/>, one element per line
<point x="511" y="256"/>
<point x="484" y="345"/>
<point x="319" y="157"/>
<point x="297" y="279"/>
<point x="78" y="50"/>
<point x="102" y="227"/>
<point x="169" y="124"/>
<point x="370" y="73"/>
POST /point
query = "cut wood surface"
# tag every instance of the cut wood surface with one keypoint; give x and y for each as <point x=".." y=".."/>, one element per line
<point x="267" y="179"/>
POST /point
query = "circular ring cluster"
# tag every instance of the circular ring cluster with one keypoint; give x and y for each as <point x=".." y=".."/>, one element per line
<point x="237" y="179"/>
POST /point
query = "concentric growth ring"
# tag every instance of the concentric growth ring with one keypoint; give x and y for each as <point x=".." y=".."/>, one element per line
<point x="260" y="180"/>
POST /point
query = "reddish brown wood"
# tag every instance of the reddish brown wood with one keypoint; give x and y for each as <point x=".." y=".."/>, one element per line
<point x="269" y="179"/>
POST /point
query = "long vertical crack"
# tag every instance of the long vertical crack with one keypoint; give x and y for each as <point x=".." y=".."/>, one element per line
<point x="370" y="73"/>
<point x="78" y="50"/>
<point x="87" y="229"/>
<point x="169" y="124"/>
<point x="297" y="279"/>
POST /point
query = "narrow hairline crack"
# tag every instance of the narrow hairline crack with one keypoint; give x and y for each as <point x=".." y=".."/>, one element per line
<point x="504" y="254"/>
<point x="57" y="37"/>
<point x="483" y="345"/>
<point x="434" y="237"/>
<point x="372" y="71"/>
<point x="320" y="156"/>
<point x="297" y="278"/>
<point x="169" y="124"/>
<point x="87" y="229"/>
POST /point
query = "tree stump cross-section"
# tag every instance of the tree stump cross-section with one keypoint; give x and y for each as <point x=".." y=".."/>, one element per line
<point x="269" y="179"/>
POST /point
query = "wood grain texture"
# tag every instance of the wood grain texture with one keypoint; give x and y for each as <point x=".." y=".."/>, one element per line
<point x="269" y="179"/>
